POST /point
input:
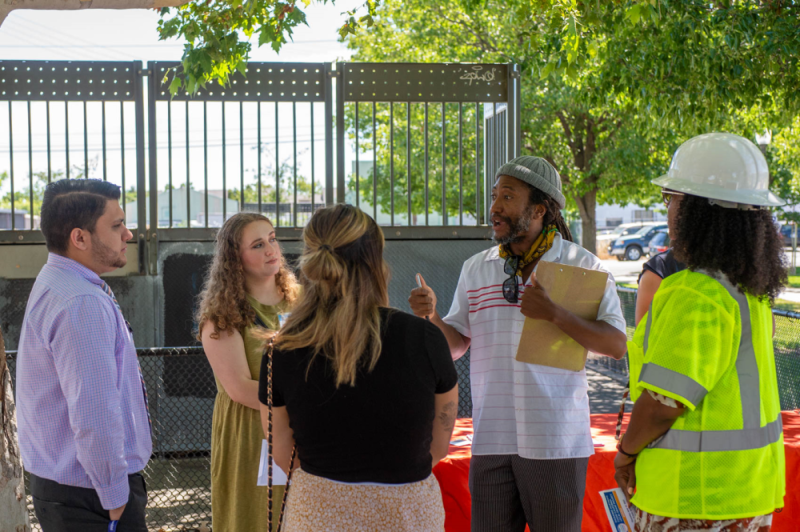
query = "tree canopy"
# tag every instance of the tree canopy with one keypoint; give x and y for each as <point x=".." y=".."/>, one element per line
<point x="610" y="89"/>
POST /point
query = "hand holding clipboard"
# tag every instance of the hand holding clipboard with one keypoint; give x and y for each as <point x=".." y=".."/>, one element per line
<point x="579" y="291"/>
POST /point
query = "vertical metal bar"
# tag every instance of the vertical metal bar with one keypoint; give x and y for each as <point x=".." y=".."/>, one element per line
<point x="151" y="255"/>
<point x="358" y="179"/>
<point x="408" y="159"/>
<point x="258" y="152"/>
<point x="30" y="168"/>
<point x="501" y="154"/>
<point x="11" y="162"/>
<point x="510" y="111"/>
<point x="313" y="161"/>
<point x="241" y="156"/>
<point x="169" y="159"/>
<point x="391" y="160"/>
<point x="340" y="177"/>
<point x="152" y="132"/>
<point x="85" y="145"/>
<point x="477" y="166"/>
<point x="426" y="164"/>
<point x="294" y="146"/>
<point x="277" y="172"/>
<point x="374" y="165"/>
<point x="49" y="159"/>
<point x="122" y="152"/>
<point x="188" y="174"/>
<point x="105" y="166"/>
<point x="518" y="113"/>
<point x="66" y="134"/>
<point x="496" y="148"/>
<point x="224" y="170"/>
<point x="328" y="86"/>
<point x="460" y="164"/>
<point x="444" y="164"/>
<point x="205" y="163"/>
<point x="141" y="183"/>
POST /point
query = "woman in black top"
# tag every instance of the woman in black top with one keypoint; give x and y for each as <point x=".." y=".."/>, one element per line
<point x="368" y="393"/>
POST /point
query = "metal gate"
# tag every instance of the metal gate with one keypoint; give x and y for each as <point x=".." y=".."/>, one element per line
<point x="414" y="145"/>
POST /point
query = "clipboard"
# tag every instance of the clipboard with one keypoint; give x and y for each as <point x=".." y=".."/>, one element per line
<point x="578" y="290"/>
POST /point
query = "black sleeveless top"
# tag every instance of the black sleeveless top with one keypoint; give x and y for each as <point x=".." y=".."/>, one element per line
<point x="664" y="264"/>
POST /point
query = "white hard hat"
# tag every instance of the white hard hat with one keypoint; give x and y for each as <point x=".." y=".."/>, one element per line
<point x="727" y="169"/>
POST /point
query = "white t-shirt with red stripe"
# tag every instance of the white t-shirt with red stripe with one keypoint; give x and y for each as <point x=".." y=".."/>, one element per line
<point x="529" y="410"/>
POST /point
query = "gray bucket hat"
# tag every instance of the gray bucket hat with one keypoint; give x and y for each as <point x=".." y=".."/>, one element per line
<point x="536" y="172"/>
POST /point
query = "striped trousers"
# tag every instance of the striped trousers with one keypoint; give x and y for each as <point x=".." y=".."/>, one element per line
<point x="509" y="492"/>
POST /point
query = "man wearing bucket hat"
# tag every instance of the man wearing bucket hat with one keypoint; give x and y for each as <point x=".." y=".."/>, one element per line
<point x="704" y="447"/>
<point x="532" y="437"/>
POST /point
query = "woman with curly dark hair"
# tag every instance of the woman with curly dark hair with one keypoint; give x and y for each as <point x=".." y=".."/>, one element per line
<point x="247" y="289"/>
<point x="704" y="447"/>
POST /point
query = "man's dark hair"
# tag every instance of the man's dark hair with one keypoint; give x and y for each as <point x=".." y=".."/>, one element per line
<point x="744" y="245"/>
<point x="553" y="214"/>
<point x="71" y="203"/>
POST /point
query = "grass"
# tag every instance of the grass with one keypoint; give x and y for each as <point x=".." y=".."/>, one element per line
<point x="628" y="285"/>
<point x="794" y="281"/>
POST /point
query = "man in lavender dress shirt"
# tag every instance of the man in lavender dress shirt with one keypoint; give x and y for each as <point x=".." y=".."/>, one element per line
<point x="84" y="428"/>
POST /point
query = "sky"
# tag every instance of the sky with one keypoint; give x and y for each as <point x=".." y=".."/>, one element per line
<point x="124" y="35"/>
<point x="127" y="35"/>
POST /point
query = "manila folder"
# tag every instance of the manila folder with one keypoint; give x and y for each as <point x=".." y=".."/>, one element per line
<point x="579" y="291"/>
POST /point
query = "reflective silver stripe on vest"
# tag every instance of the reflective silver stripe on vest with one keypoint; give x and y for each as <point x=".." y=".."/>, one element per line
<point x="752" y="435"/>
<point x="720" y="440"/>
<point x="672" y="381"/>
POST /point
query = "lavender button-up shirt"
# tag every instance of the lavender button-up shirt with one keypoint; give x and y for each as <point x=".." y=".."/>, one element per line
<point x="81" y="413"/>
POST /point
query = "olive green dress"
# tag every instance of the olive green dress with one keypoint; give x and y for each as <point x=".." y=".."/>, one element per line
<point x="237" y="503"/>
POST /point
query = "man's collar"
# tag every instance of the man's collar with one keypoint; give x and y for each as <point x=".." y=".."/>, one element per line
<point x="65" y="263"/>
<point x="552" y="255"/>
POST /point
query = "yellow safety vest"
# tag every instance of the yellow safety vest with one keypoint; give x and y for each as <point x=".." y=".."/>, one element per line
<point x="709" y="346"/>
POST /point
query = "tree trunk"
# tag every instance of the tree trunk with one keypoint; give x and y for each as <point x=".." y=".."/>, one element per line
<point x="587" y="205"/>
<point x="6" y="6"/>
<point x="13" y="503"/>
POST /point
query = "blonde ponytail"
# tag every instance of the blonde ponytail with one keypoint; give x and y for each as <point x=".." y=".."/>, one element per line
<point x="345" y="282"/>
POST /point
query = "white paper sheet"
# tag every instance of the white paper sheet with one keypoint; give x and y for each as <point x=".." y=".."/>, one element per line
<point x="278" y="476"/>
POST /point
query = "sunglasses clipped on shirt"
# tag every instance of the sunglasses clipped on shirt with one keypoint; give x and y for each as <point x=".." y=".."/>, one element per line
<point x="511" y="285"/>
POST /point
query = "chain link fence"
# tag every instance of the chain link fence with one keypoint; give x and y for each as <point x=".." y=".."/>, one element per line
<point x="181" y="392"/>
<point x="786" y="342"/>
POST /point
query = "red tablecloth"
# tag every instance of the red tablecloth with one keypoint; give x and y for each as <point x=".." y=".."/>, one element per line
<point x="453" y="472"/>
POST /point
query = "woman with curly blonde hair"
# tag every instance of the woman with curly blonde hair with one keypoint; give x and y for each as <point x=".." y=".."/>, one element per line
<point x="247" y="288"/>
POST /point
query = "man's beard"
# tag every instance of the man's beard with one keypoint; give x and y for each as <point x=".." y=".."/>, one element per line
<point x="106" y="256"/>
<point x="517" y="228"/>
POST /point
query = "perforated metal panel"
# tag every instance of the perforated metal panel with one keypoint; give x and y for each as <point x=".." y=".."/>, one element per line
<point x="264" y="82"/>
<point x="415" y="82"/>
<point x="85" y="81"/>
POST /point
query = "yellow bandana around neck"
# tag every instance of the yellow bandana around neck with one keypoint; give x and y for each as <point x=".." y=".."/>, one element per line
<point x="542" y="245"/>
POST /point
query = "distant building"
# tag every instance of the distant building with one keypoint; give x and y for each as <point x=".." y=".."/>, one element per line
<point x="22" y="219"/>
<point x="195" y="214"/>
<point x="610" y="216"/>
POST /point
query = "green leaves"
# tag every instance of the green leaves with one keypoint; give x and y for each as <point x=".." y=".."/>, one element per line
<point x="634" y="13"/>
<point x="216" y="34"/>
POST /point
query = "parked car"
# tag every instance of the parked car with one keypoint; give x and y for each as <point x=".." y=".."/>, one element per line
<point x="659" y="243"/>
<point x="632" y="246"/>
<point x="786" y="233"/>
<point x="624" y="230"/>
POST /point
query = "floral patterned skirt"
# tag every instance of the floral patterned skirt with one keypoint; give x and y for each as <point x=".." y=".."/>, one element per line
<point x="318" y="504"/>
<point x="646" y="522"/>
